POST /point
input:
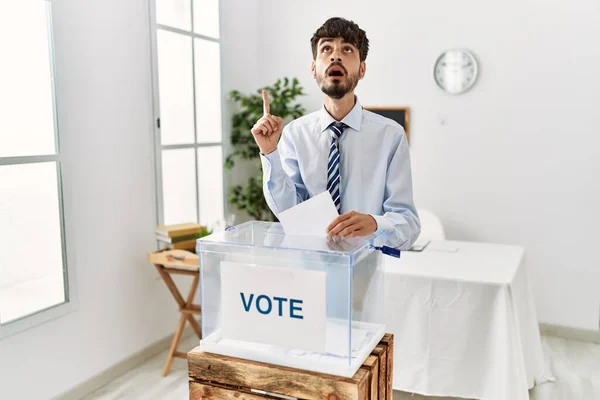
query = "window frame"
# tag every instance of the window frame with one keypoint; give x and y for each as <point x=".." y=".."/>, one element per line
<point x="71" y="302"/>
<point x="158" y="146"/>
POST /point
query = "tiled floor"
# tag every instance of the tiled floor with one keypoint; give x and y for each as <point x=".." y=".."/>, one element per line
<point x="576" y="366"/>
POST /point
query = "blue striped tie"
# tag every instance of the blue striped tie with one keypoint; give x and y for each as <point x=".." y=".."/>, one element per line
<point x="333" y="166"/>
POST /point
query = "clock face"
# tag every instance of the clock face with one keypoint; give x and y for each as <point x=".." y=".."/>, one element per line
<point x="455" y="71"/>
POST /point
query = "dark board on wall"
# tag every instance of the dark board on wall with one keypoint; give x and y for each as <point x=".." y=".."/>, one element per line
<point x="399" y="114"/>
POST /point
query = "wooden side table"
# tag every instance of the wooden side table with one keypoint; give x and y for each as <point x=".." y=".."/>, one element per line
<point x="214" y="376"/>
<point x="179" y="262"/>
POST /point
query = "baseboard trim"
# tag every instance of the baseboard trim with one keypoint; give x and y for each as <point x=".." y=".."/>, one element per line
<point x="114" y="372"/>
<point x="583" y="335"/>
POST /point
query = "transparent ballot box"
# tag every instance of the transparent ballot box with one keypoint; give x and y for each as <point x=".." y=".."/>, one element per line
<point x="297" y="301"/>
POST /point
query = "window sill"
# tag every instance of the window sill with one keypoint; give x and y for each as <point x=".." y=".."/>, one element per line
<point x="38" y="318"/>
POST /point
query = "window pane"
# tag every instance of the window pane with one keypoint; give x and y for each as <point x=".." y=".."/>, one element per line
<point x="175" y="88"/>
<point x="208" y="91"/>
<point x="210" y="184"/>
<point x="174" y="13"/>
<point x="179" y="186"/>
<point x="31" y="263"/>
<point x="206" y="17"/>
<point x="25" y="80"/>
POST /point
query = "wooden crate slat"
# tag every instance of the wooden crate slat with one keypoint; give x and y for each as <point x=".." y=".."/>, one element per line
<point x="201" y="391"/>
<point x="381" y="354"/>
<point x="372" y="365"/>
<point x="388" y="339"/>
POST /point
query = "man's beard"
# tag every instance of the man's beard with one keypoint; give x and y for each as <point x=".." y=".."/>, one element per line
<point x="337" y="90"/>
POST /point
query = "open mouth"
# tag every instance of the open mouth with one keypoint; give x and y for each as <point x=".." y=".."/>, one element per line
<point x="336" y="71"/>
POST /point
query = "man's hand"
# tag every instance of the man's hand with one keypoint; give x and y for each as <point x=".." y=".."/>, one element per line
<point x="352" y="224"/>
<point x="268" y="129"/>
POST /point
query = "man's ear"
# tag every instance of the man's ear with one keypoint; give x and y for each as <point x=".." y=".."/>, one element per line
<point x="363" y="69"/>
<point x="313" y="71"/>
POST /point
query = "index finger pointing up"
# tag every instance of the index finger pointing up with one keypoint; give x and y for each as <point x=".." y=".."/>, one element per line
<point x="265" y="96"/>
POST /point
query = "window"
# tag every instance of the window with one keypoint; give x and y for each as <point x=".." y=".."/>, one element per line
<point x="33" y="269"/>
<point x="187" y="104"/>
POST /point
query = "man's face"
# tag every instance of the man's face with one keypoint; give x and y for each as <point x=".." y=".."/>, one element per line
<point x="337" y="67"/>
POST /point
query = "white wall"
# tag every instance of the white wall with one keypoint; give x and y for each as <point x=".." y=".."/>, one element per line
<point x="104" y="94"/>
<point x="515" y="160"/>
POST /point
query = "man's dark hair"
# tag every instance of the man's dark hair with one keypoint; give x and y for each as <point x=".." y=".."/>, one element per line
<point x="348" y="30"/>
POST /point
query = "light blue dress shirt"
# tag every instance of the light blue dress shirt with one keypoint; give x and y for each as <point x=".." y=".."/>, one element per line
<point x="375" y="170"/>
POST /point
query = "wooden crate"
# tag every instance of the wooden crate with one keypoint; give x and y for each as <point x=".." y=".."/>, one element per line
<point x="214" y="376"/>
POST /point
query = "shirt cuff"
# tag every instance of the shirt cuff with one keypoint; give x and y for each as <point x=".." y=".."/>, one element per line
<point x="271" y="164"/>
<point x="383" y="224"/>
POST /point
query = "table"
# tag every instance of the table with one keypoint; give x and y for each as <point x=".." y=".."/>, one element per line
<point x="179" y="262"/>
<point x="216" y="376"/>
<point x="464" y="320"/>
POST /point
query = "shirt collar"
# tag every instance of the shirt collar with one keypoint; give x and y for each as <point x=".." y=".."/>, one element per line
<point x="352" y="119"/>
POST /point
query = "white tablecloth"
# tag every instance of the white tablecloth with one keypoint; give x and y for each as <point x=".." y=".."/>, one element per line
<point x="464" y="322"/>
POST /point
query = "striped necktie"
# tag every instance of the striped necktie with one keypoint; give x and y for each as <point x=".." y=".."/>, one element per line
<point x="333" y="167"/>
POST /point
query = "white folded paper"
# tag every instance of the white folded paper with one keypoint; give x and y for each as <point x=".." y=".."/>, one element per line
<point x="309" y="218"/>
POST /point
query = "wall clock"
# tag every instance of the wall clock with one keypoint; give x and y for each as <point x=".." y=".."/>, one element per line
<point x="456" y="71"/>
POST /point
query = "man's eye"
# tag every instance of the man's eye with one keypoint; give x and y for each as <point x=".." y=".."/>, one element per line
<point x="326" y="48"/>
<point x="348" y="49"/>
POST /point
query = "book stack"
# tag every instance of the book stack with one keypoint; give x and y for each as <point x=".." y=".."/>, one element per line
<point x="180" y="236"/>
